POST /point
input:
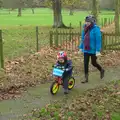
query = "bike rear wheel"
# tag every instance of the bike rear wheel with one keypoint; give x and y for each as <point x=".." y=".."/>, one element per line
<point x="71" y="83"/>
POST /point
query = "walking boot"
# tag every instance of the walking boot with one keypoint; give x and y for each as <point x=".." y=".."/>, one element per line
<point x="85" y="79"/>
<point x="102" y="74"/>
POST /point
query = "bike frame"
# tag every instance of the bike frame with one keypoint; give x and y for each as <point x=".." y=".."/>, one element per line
<point x="58" y="80"/>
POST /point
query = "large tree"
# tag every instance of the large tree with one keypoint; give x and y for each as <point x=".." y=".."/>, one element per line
<point x="95" y="11"/>
<point x="1" y="3"/>
<point x="57" y="14"/>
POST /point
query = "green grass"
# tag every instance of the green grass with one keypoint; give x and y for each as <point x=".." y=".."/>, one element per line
<point x="19" y="41"/>
<point x="44" y="17"/>
<point x="114" y="115"/>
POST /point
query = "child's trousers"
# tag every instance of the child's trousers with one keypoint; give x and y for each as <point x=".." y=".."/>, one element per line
<point x="66" y="77"/>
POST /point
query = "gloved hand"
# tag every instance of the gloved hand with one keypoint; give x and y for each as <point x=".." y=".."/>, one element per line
<point x="66" y="69"/>
<point x="80" y="51"/>
<point x="53" y="66"/>
<point x="98" y="53"/>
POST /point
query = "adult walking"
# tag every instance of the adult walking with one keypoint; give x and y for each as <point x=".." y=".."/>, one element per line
<point x="91" y="45"/>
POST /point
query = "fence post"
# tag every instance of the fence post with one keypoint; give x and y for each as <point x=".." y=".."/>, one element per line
<point x="105" y="22"/>
<point x="1" y="51"/>
<point x="109" y="21"/>
<point x="103" y="39"/>
<point x="70" y="32"/>
<point x="56" y="39"/>
<point x="51" y="40"/>
<point x="80" y="27"/>
<point x="102" y="22"/>
<point x="37" y="39"/>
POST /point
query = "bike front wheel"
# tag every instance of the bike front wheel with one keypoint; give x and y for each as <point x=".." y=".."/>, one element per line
<point x="54" y="88"/>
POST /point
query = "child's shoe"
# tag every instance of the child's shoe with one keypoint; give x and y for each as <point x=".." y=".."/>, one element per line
<point x="65" y="91"/>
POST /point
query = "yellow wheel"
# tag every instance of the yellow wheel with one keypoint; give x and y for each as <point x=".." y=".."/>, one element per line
<point x="71" y="83"/>
<point x="54" y="88"/>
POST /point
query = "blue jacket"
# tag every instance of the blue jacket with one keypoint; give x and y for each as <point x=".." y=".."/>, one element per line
<point x="95" y="40"/>
<point x="68" y="66"/>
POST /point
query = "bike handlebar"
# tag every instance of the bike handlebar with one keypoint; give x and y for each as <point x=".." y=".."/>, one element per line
<point x="60" y="67"/>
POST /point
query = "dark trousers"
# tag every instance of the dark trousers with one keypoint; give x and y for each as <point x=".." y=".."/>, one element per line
<point x="66" y="77"/>
<point x="93" y="61"/>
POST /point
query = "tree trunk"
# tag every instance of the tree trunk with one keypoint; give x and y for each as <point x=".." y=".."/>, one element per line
<point x="71" y="10"/>
<point x="33" y="10"/>
<point x="9" y="11"/>
<point x="116" y="16"/>
<point x="58" y="23"/>
<point x="19" y="12"/>
<point x="99" y="8"/>
<point x="95" y="10"/>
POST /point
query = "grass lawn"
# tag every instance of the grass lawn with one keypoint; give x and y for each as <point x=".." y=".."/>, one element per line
<point x="44" y="17"/>
<point x="18" y="41"/>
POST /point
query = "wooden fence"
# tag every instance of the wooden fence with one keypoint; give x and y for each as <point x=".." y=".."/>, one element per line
<point x="68" y="40"/>
<point x="71" y="40"/>
<point x="111" y="41"/>
<point x="1" y="51"/>
<point x="106" y="22"/>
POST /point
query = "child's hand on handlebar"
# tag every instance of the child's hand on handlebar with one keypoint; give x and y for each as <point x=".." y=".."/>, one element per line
<point x="53" y="66"/>
<point x="65" y="69"/>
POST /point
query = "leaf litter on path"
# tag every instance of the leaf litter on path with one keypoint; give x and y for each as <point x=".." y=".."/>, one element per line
<point x="34" y="69"/>
<point x="96" y="104"/>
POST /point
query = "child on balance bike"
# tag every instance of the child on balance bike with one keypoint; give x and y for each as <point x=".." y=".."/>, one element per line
<point x="63" y="62"/>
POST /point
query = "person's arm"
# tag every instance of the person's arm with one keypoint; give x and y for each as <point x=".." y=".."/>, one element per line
<point x="69" y="67"/>
<point x="98" y="40"/>
<point x="56" y="64"/>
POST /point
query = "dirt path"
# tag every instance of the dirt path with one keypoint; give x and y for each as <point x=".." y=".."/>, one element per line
<point x="40" y="96"/>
